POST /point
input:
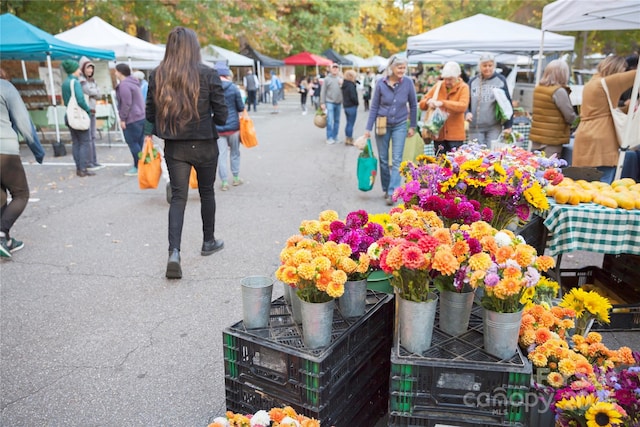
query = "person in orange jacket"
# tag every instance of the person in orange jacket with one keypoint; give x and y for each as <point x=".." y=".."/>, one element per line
<point x="452" y="97"/>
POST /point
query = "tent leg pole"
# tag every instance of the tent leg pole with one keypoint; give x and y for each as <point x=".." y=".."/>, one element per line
<point x="53" y="98"/>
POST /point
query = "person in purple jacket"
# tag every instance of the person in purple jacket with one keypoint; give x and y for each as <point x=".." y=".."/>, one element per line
<point x="131" y="111"/>
<point x="394" y="97"/>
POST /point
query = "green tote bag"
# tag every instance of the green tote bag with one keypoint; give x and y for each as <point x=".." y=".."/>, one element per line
<point x="367" y="168"/>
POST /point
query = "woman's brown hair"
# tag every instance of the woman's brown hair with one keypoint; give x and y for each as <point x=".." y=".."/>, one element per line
<point x="177" y="82"/>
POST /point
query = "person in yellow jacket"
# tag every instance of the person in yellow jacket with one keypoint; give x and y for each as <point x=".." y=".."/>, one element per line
<point x="453" y="98"/>
<point x="553" y="113"/>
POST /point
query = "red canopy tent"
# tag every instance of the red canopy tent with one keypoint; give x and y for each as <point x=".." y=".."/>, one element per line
<point x="307" y="59"/>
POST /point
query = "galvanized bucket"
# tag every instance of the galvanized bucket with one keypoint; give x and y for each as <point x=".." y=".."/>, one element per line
<point x="416" y="323"/>
<point x="317" y="321"/>
<point x="501" y="332"/>
<point x="354" y="300"/>
<point x="286" y="293"/>
<point x="296" y="310"/>
<point x="256" y="301"/>
<point x="455" y="310"/>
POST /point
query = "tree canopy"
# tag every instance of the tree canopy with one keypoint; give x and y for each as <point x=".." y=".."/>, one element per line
<point x="280" y="28"/>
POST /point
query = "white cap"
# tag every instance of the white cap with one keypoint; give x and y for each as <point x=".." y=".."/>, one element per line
<point x="138" y="75"/>
<point x="450" y="69"/>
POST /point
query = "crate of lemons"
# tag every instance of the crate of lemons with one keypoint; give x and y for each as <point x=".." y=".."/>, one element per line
<point x="622" y="193"/>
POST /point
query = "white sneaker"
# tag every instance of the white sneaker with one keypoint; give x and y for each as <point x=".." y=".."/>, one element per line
<point x="304" y="113"/>
<point x="331" y="141"/>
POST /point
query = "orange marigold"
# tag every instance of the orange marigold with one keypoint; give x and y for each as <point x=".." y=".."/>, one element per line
<point x="394" y="258"/>
<point x="542" y="335"/>
<point x="412" y="257"/>
<point x="443" y="235"/>
<point x="545" y="262"/>
<point x="277" y="414"/>
<point x="480" y="261"/>
<point x="445" y="262"/>
<point x="504" y="253"/>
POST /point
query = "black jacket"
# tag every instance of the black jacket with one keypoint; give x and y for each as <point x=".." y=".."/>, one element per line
<point x="349" y="94"/>
<point x="211" y="102"/>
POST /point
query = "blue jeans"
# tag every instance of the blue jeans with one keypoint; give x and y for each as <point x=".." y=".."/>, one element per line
<point x="333" y="120"/>
<point x="134" y="137"/>
<point x="395" y="136"/>
<point x="350" y="113"/>
<point x="225" y="144"/>
<point x="485" y="136"/>
<point x="80" y="146"/>
<point x="608" y="173"/>
<point x="180" y="157"/>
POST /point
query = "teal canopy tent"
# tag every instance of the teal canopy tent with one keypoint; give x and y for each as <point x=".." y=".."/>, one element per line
<point x="26" y="42"/>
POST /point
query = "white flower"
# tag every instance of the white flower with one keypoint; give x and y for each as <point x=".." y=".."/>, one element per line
<point x="221" y="420"/>
<point x="260" y="418"/>
<point x="502" y="239"/>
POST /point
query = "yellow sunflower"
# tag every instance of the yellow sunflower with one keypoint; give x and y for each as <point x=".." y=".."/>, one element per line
<point x="603" y="414"/>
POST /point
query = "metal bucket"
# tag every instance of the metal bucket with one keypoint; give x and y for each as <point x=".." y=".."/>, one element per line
<point x="501" y="332"/>
<point x="354" y="300"/>
<point x="256" y="301"/>
<point x="296" y="310"/>
<point x="317" y="321"/>
<point x="455" y="310"/>
<point x="416" y="323"/>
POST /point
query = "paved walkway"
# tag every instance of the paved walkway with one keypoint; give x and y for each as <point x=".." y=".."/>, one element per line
<point x="92" y="332"/>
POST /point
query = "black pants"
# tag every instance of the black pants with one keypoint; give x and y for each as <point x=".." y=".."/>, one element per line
<point x="180" y="157"/>
<point x="13" y="179"/>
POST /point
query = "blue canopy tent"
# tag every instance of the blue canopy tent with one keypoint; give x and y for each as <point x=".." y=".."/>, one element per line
<point x="23" y="41"/>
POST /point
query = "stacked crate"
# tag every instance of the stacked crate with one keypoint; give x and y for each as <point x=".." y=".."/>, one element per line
<point x="456" y="383"/>
<point x="344" y="384"/>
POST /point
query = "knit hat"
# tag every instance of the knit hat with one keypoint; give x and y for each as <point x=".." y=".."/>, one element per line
<point x="70" y="66"/>
<point x="450" y="69"/>
<point x="222" y="69"/>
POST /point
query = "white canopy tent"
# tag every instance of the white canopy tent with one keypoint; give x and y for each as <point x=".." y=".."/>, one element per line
<point x="99" y="34"/>
<point x="488" y="34"/>
<point x="217" y="53"/>
<point x="588" y="15"/>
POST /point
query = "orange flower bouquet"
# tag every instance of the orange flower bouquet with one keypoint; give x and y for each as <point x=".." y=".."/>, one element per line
<point x="505" y="270"/>
<point x="317" y="270"/>
<point x="276" y="417"/>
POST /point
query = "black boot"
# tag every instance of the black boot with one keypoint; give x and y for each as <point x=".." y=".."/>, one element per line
<point x="211" y="246"/>
<point x="173" y="265"/>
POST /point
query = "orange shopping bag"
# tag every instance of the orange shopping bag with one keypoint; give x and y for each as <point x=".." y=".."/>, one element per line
<point x="149" y="165"/>
<point x="193" y="178"/>
<point x="248" y="136"/>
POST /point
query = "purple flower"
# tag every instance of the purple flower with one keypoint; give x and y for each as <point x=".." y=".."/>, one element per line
<point x="491" y="279"/>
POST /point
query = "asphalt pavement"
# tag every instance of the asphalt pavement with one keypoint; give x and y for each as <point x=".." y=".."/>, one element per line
<point x="92" y="334"/>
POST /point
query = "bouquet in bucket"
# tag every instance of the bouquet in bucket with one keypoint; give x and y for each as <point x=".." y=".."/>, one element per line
<point x="416" y="249"/>
<point x="359" y="233"/>
<point x="507" y="270"/>
<point x="500" y="187"/>
<point x="315" y="269"/>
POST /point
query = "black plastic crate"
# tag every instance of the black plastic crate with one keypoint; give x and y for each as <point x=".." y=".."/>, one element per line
<point x="441" y="419"/>
<point x="362" y="398"/>
<point x="534" y="233"/>
<point x="456" y="376"/>
<point x="276" y="361"/>
<point x="623" y="317"/>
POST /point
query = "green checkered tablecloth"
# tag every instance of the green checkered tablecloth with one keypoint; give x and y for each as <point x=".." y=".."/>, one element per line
<point x="594" y="228"/>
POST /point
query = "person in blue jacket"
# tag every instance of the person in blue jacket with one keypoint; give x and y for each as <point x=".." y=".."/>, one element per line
<point x="229" y="133"/>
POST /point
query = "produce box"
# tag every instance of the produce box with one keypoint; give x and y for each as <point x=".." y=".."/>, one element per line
<point x="457" y="383"/>
<point x="625" y="296"/>
<point x="271" y="367"/>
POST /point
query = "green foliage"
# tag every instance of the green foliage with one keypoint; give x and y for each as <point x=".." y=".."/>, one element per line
<point x="283" y="27"/>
